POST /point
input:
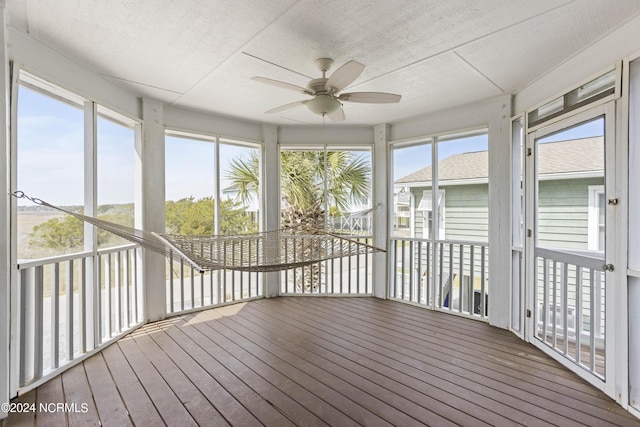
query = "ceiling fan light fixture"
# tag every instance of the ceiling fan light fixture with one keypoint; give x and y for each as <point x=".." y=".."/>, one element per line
<point x="323" y="104"/>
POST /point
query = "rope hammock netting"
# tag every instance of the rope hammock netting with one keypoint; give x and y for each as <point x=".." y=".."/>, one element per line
<point x="275" y="250"/>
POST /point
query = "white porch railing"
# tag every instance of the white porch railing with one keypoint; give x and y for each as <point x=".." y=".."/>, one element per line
<point x="188" y="289"/>
<point x="570" y="315"/>
<point x="442" y="274"/>
<point x="72" y="304"/>
<point x="350" y="275"/>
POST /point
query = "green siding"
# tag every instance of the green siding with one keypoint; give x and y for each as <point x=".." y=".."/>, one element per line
<point x="466" y="212"/>
<point x="562" y="220"/>
<point x="563" y="212"/>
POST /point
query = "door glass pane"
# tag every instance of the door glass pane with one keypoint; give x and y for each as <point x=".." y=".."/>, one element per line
<point x="569" y="162"/>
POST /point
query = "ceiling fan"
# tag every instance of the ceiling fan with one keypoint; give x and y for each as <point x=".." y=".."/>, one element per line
<point x="326" y="97"/>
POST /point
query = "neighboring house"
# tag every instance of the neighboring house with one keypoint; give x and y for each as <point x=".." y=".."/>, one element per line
<point x="571" y="196"/>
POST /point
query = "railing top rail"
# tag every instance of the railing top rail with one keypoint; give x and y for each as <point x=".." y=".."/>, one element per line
<point x="30" y="263"/>
<point x="24" y="264"/>
<point x="104" y="251"/>
<point x="594" y="261"/>
<point x="454" y="242"/>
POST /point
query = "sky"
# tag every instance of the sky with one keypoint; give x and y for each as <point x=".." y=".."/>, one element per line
<point x="51" y="160"/>
<point x="411" y="159"/>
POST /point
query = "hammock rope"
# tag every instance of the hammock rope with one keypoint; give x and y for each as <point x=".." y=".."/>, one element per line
<point x="266" y="251"/>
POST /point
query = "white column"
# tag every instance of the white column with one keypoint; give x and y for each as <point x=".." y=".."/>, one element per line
<point x="633" y="239"/>
<point x="270" y="191"/>
<point x="500" y="211"/>
<point x="93" y="338"/>
<point x="5" y="250"/>
<point x="381" y="214"/>
<point x="149" y="204"/>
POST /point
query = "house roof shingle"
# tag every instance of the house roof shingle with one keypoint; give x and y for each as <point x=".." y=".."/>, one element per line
<point x="571" y="156"/>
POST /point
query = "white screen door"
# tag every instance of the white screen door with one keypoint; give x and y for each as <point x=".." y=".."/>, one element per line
<point x="568" y="220"/>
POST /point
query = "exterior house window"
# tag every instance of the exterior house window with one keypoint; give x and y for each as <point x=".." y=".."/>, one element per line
<point x="402" y="214"/>
<point x="596" y="221"/>
<point x="426" y="207"/>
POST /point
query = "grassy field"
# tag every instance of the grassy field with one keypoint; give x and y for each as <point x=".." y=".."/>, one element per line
<point x="27" y="220"/>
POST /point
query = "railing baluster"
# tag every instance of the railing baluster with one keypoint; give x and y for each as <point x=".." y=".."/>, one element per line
<point x="427" y="277"/>
<point x="249" y="262"/>
<point x="460" y="278"/>
<point x="134" y="276"/>
<point x="233" y="273"/>
<point x="171" y="298"/>
<point x="472" y="308"/>
<point x="192" y="287"/>
<point x="451" y="277"/>
<point x="554" y="335"/>
<point x="181" y="284"/>
<point x="411" y="273"/>
<point x="440" y="274"/>
<point x="55" y="315"/>
<point x="404" y="279"/>
<point x="592" y="332"/>
<point x="107" y="284"/>
<point x="483" y="309"/>
<point x="358" y="271"/>
<point x="38" y="322"/>
<point x="82" y="299"/>
<point x="96" y="288"/>
<point x="578" y="315"/>
<point x="118" y="291"/>
<point x="545" y="297"/>
<point x="128" y="288"/>
<point x="223" y="285"/>
<point x="419" y="273"/>
<point x="70" y="311"/>
<point x="564" y="285"/>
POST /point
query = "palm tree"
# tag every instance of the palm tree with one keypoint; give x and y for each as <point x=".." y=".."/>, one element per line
<point x="310" y="182"/>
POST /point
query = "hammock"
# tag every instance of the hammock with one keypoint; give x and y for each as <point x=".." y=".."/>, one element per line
<point x="275" y="250"/>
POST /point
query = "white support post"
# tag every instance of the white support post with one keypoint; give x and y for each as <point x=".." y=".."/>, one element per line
<point x="150" y="204"/>
<point x="633" y="240"/>
<point x="270" y="192"/>
<point x="382" y="213"/>
<point x="94" y="336"/>
<point x="500" y="211"/>
<point x="5" y="229"/>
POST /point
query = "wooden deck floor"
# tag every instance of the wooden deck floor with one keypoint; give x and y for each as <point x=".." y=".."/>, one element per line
<point x="321" y="361"/>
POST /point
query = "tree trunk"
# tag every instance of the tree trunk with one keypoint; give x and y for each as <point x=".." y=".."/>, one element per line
<point x="308" y="278"/>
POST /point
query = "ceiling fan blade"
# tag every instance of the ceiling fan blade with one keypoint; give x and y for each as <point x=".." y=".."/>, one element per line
<point x="370" y="97"/>
<point x="286" y="107"/>
<point x="337" y="116"/>
<point x="344" y="76"/>
<point x="284" y="85"/>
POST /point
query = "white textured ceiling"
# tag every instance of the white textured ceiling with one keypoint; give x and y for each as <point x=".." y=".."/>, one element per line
<point x="200" y="54"/>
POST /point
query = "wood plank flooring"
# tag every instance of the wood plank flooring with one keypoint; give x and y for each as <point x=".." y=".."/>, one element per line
<point x="320" y="362"/>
